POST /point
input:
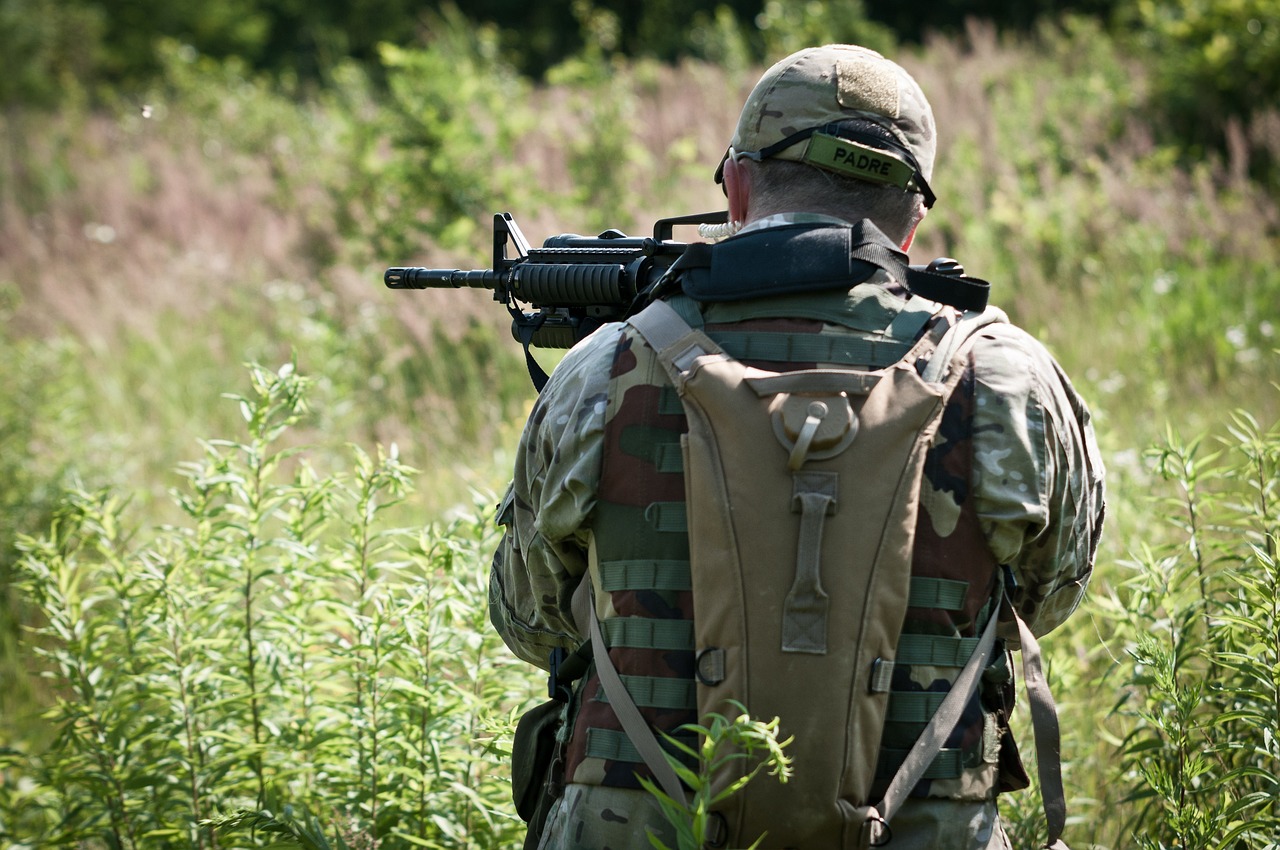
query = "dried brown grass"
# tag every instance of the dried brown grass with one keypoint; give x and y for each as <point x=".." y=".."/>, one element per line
<point x="157" y="223"/>
<point x="163" y="223"/>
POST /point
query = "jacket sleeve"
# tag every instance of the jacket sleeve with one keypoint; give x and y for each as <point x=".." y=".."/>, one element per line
<point x="1038" y="475"/>
<point x="543" y="553"/>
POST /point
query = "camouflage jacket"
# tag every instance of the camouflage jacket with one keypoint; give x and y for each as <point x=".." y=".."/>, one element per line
<point x="1037" y="476"/>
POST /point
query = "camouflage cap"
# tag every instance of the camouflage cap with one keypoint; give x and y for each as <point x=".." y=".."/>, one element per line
<point x="811" y="91"/>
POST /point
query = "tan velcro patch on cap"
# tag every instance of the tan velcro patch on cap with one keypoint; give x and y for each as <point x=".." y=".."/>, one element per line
<point x="867" y="85"/>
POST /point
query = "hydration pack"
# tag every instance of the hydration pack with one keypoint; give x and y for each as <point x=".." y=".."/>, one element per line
<point x="802" y="490"/>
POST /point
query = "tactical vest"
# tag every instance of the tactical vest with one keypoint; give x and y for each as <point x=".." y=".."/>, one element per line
<point x="641" y="572"/>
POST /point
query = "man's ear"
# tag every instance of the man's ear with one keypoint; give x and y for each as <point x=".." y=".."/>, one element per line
<point x="911" y="237"/>
<point x="737" y="186"/>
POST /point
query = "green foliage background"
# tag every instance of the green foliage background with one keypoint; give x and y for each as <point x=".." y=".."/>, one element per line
<point x="230" y="620"/>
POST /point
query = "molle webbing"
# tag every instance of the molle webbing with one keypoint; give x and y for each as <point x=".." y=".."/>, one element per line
<point x="910" y="711"/>
<point x="914" y="706"/>
<point x="935" y="650"/>
<point x="637" y="441"/>
<point x="648" y="633"/>
<point x="658" y="692"/>
<point x="946" y="594"/>
<point x="949" y="763"/>
<point x="645" y="575"/>
<point x="669" y="401"/>
<point x="667" y="517"/>
<point x="955" y="580"/>
<point x="641" y="575"/>
<point x="810" y="348"/>
<point x="615" y="746"/>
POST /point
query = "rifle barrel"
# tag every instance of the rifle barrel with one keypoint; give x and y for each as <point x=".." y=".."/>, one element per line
<point x="539" y="284"/>
<point x="420" y="278"/>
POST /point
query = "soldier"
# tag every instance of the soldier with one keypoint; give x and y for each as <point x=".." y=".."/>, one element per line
<point x="827" y="178"/>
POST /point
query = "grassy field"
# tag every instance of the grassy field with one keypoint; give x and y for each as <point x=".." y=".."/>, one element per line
<point x="151" y="250"/>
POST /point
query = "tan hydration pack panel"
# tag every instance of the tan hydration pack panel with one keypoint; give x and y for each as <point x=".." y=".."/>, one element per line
<point x="803" y="490"/>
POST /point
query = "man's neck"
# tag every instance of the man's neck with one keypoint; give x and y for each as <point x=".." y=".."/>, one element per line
<point x="779" y="219"/>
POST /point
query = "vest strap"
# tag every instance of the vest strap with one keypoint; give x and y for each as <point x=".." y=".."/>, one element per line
<point x="645" y="575"/>
<point x="615" y="746"/>
<point x="941" y="593"/>
<point x="649" y="633"/>
<point x="811" y="348"/>
<point x="957" y="336"/>
<point x="659" y="692"/>
<point x="633" y="722"/>
<point x="1044" y="724"/>
<point x="908" y="324"/>
<point x="676" y="342"/>
<point x="935" y="650"/>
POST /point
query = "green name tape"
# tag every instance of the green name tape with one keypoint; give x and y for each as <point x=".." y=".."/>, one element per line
<point x="860" y="161"/>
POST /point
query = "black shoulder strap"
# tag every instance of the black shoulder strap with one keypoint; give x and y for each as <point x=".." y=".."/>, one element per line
<point x="696" y="258"/>
<point x="954" y="290"/>
<point x="705" y="271"/>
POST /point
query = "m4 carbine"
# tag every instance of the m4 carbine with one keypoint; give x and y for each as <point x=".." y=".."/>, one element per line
<point x="574" y="284"/>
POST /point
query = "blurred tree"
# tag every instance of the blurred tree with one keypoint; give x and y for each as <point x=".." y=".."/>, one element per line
<point x="911" y="23"/>
<point x="1216" y="57"/>
<point x="788" y="27"/>
<point x="1215" y="61"/>
<point x="537" y="36"/>
<point x="113" y="42"/>
<point x="309" y="37"/>
<point x="47" y="46"/>
<point x="126" y="51"/>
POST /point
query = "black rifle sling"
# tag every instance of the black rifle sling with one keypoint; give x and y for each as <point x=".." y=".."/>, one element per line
<point x="524" y="331"/>
<point x="954" y="290"/>
<point x="819" y="258"/>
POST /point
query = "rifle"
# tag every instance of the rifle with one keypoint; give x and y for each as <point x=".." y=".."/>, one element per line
<point x="576" y="283"/>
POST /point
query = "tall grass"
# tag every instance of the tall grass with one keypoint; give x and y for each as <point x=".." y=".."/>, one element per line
<point x="151" y="250"/>
<point x="283" y="649"/>
<point x="1200" y="620"/>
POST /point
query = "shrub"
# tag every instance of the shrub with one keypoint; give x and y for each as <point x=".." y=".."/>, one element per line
<point x="1215" y="61"/>
<point x="283" y="659"/>
<point x="1202" y="689"/>
<point x="432" y="157"/>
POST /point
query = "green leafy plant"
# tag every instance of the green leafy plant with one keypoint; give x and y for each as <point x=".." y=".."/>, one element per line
<point x="1202" y="756"/>
<point x="725" y="740"/>
<point x="431" y="157"/>
<point x="282" y="666"/>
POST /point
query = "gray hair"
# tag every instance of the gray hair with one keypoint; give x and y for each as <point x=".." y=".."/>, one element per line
<point x="779" y="186"/>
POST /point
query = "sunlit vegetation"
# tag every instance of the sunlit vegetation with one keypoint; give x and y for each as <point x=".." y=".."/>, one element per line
<point x="244" y="489"/>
